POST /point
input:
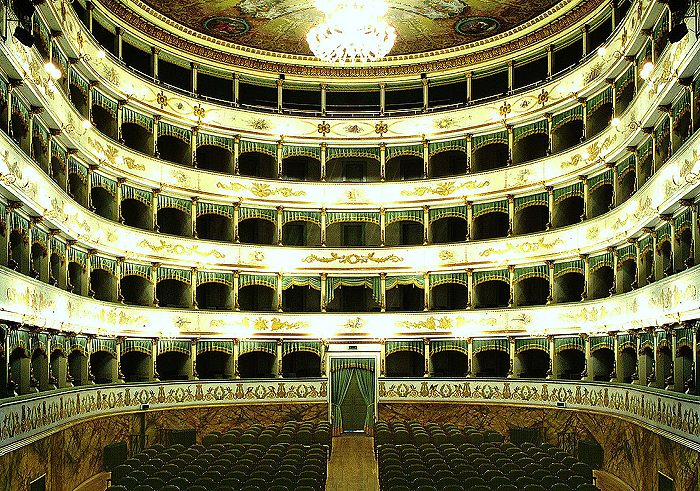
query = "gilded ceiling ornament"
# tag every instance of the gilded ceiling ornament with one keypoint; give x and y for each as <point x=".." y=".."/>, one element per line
<point x="523" y="248"/>
<point x="593" y="314"/>
<point x="445" y="188"/>
<point x="430" y="324"/>
<point x="352" y="258"/>
<point x="30" y="299"/>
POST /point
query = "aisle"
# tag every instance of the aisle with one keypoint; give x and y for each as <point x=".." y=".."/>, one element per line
<point x="352" y="466"/>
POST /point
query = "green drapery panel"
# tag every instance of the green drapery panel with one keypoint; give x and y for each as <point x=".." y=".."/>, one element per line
<point x="19" y="224"/>
<point x="204" y="208"/>
<point x="221" y="277"/>
<point x="696" y="92"/>
<point x="479" y="209"/>
<point x="262" y="346"/>
<point x="560" y="194"/>
<point x="246" y="146"/>
<point x="414" y="150"/>
<point x="625" y="167"/>
<point x="480" y="277"/>
<point x="130" y="192"/>
<point x="134" y="41"/>
<point x="573" y="114"/>
<point x="645" y="149"/>
<point x="58" y="342"/>
<point x="574" y="342"/>
<point x="220" y="346"/>
<point x="361" y="152"/>
<point x="3" y="214"/>
<point x="262" y="82"/>
<point x="600" y="180"/>
<point x="78" y="168"/>
<point x="600" y="342"/>
<point x="40" y="132"/>
<point x="524" y="344"/>
<point x="404" y="85"/>
<point x="167" y="129"/>
<point x="77" y="343"/>
<point x="18" y="339"/>
<point x="184" y="205"/>
<point x="461" y="345"/>
<point x="77" y="256"/>
<point x="680" y="107"/>
<point x="623" y="82"/>
<point x="269" y="214"/>
<point x="174" y="346"/>
<point x="79" y="81"/>
<point x="299" y="151"/>
<point x="435" y="214"/>
<point x="595" y="102"/>
<point x="537" y="271"/>
<point x="133" y="117"/>
<point x="308" y="281"/>
<point x="663" y="234"/>
<point x="351" y="363"/>
<point x="483" y="140"/>
<point x="3" y="92"/>
<point x="104" y="263"/>
<point x="373" y="282"/>
<point x="365" y="382"/>
<point x="498" y="344"/>
<point x="600" y="261"/>
<point x="658" y="32"/>
<point x="165" y="56"/>
<point x="416" y="346"/>
<point x="343" y="371"/>
<point x="445" y="146"/>
<point x="626" y="253"/>
<point x="137" y="344"/>
<point x="182" y="275"/>
<point x="394" y="281"/>
<point x="340" y="382"/>
<point x="539" y="199"/>
<point x="301" y="216"/>
<point x="41" y="31"/>
<point x="444" y="278"/>
<point x="40" y="237"/>
<point x="684" y="338"/>
<point x="59" y="153"/>
<point x="297" y="346"/>
<point x="135" y="269"/>
<point x="392" y="216"/>
<point x="352" y="216"/>
<point x="99" y="99"/>
<point x="661" y="131"/>
<point x="270" y="281"/>
<point x="682" y="222"/>
<point x="644" y="55"/>
<point x="224" y="142"/>
<point x="626" y="341"/>
<point x="103" y="21"/>
<point x="663" y="340"/>
<point x="20" y="109"/>
<point x="575" y="266"/>
<point x="646" y="341"/>
<point x="104" y="344"/>
<point x="104" y="182"/>
<point x="58" y="247"/>
<point x="59" y="59"/>
<point x="39" y="340"/>
<point x="538" y="127"/>
<point x="646" y="244"/>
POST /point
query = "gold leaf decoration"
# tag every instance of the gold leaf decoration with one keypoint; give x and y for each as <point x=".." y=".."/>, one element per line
<point x="276" y="324"/>
<point x="352" y="258"/>
<point x="179" y="249"/>
<point x="259" y="189"/>
<point x="445" y="188"/>
<point x="524" y="248"/>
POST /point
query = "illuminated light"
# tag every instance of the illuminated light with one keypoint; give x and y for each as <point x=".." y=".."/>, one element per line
<point x="648" y="66"/>
<point x="645" y="74"/>
<point x="49" y="67"/>
<point x="585" y="155"/>
<point x="602" y="51"/>
<point x="615" y="122"/>
<point x="86" y="124"/>
<point x="56" y="74"/>
<point x="632" y="207"/>
<point x="119" y="160"/>
<point x="101" y="54"/>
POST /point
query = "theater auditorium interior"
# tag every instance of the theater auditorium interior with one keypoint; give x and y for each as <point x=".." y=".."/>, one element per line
<point x="349" y="245"/>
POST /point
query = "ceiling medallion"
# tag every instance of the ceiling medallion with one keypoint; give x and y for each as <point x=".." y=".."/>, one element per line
<point x="353" y="31"/>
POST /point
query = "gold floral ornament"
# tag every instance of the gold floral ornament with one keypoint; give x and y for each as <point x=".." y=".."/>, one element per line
<point x="324" y="128"/>
<point x="505" y="110"/>
<point x="161" y="99"/>
<point x="259" y="190"/>
<point x="352" y="258"/>
<point x="199" y="112"/>
<point x="381" y="128"/>
<point x="445" y="123"/>
<point x="447" y="256"/>
<point x="178" y="249"/>
<point x="259" y="124"/>
<point x="445" y="188"/>
<point x="524" y="248"/>
<point x="543" y="97"/>
<point x="276" y="324"/>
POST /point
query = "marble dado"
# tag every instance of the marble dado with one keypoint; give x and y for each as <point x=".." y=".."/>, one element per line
<point x="661" y="412"/>
<point x="23" y="179"/>
<point x="28" y="418"/>
<point x="34" y="303"/>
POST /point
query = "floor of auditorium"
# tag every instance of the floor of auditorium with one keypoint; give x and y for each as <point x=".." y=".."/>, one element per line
<point x="352" y="468"/>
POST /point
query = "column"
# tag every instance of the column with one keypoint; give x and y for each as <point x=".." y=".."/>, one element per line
<point x="193" y="359"/>
<point x="614" y="14"/>
<point x="323" y="227"/>
<point x="120" y="135"/>
<point x="193" y="288"/>
<point x="278" y="224"/>
<point x="120" y="297"/>
<point x="656" y="379"/>
<point x="469" y="76"/>
<point x="426" y="291"/>
<point x="690" y="260"/>
<point x="695" y="371"/>
<point x="382" y="98"/>
<point x="120" y="375"/>
<point x="671" y="265"/>
<point x="280" y="84"/>
<point x="584" y="181"/>
<point x="613" y="251"/>
<point x="656" y="268"/>
<point x="549" y="132"/>
<point x="635" y="376"/>
<point x="586" y="275"/>
<point x="278" y="291"/>
<point x="324" y="277"/>
<point x="511" y="278"/>
<point x="118" y="42"/>
<point x="426" y="157"/>
<point x="89" y="6"/>
<point x="324" y="88"/>
<point x="611" y="83"/>
<point x="324" y="146"/>
<point x="236" y="207"/>
<point x="193" y="216"/>
<point x="426" y="353"/>
<point x="550" y="206"/>
<point x="280" y="145"/>
<point x="382" y="226"/>
<point x="550" y="61"/>
<point x="470" y="288"/>
<point x="587" y="375"/>
<point x="324" y="349"/>
<point x="426" y="100"/>
<point x="511" y="69"/>
<point x="633" y="150"/>
<point x="637" y="261"/>
<point x="582" y="101"/>
<point x="586" y="41"/>
<point x="677" y="368"/>
<point x="655" y="164"/>
<point x="236" y="373"/>
<point x="91" y="86"/>
<point x="551" y="372"/>
<point x="154" y="355"/>
<point x="154" y="61"/>
<point x="616" y="186"/>
<point x="236" y="88"/>
<point x="382" y="279"/>
<point x="511" y="355"/>
<point x="426" y="224"/>
<point x="90" y="292"/>
<point x="470" y="219"/>
<point x="193" y="145"/>
<point x="382" y="358"/>
<point x="278" y="360"/>
<point x="154" y="209"/>
<point x="511" y="143"/>
<point x="550" y="277"/>
<point x="614" y="377"/>
<point x="382" y="161"/>
<point x="470" y="355"/>
<point x="695" y="235"/>
<point x="469" y="153"/>
<point x="236" y="275"/>
<point x="236" y="146"/>
<point x="154" y="282"/>
<point x="511" y="213"/>
<point x="156" y="120"/>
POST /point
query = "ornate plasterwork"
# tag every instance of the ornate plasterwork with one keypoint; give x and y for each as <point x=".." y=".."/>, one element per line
<point x="352" y="258"/>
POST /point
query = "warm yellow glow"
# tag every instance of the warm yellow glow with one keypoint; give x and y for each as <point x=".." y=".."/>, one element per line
<point x="644" y="75"/>
<point x="602" y="51"/>
<point x="56" y="74"/>
<point x="69" y="209"/>
<point x="100" y="54"/>
<point x="86" y="124"/>
<point x="119" y="160"/>
<point x="615" y="122"/>
<point x="648" y="66"/>
<point x="585" y="155"/>
<point x="144" y="92"/>
<point x="49" y="67"/>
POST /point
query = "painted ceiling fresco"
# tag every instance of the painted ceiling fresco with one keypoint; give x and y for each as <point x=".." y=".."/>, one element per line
<point x="281" y="25"/>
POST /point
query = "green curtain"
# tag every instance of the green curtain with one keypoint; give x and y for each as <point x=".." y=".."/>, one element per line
<point x="343" y="371"/>
<point x="339" y="388"/>
<point x="365" y="381"/>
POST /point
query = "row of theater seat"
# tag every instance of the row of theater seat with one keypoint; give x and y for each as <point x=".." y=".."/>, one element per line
<point x="304" y="433"/>
<point x="225" y="467"/>
<point x="398" y="432"/>
<point x="489" y="466"/>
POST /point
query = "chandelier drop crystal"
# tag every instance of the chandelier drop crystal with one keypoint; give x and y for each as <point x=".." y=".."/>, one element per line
<point x="353" y="31"/>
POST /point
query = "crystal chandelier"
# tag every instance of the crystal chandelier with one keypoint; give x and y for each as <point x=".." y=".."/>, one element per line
<point x="353" y="31"/>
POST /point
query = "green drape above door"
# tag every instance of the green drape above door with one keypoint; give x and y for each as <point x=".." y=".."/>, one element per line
<point x="343" y="370"/>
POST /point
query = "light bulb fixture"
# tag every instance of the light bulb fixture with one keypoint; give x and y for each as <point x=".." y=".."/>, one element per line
<point x="49" y="67"/>
<point x="100" y="54"/>
<point x="86" y="124"/>
<point x="602" y="51"/>
<point x="353" y="31"/>
<point x="648" y="66"/>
